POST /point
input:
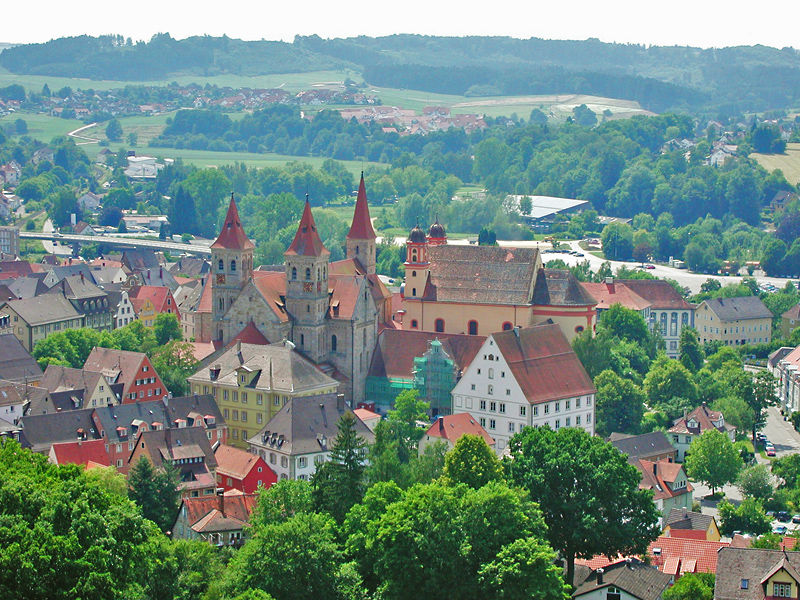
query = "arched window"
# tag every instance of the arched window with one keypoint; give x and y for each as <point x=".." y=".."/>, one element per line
<point x="294" y="272"/>
<point x="219" y="337"/>
<point x="414" y="256"/>
<point x="414" y="324"/>
<point x="673" y="327"/>
<point x="221" y="265"/>
<point x="473" y="327"/>
<point x="308" y="274"/>
<point x="334" y="343"/>
<point x="663" y="323"/>
<point x="302" y="340"/>
<point x="438" y="326"/>
<point x="491" y="373"/>
<point x="233" y="266"/>
<point x="308" y="308"/>
<point x="579" y="329"/>
<point x="507" y="326"/>
<point x="413" y="291"/>
<point x="413" y="273"/>
<point x="222" y="303"/>
<point x="684" y="319"/>
<point x="357" y="249"/>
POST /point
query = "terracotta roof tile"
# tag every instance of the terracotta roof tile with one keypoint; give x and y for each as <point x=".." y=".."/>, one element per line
<point x="81" y="452"/>
<point x="452" y="427"/>
<point x="658" y="292"/>
<point x="238" y="463"/>
<point x="704" y="552"/>
<point x="251" y="335"/>
<point x="232" y="235"/>
<point x="361" y="229"/>
<point x="307" y="241"/>
<point x="608" y="294"/>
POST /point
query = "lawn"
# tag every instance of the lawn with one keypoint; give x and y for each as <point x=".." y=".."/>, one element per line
<point x="789" y="163"/>
<point x="43" y="127"/>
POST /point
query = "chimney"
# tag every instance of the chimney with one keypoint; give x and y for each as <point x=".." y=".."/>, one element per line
<point x="161" y="272"/>
<point x="148" y="273"/>
<point x="221" y="503"/>
<point x="340" y="402"/>
<point x="516" y="330"/>
<point x="82" y="280"/>
<point x="239" y="348"/>
<point x="600" y="576"/>
<point x="441" y="423"/>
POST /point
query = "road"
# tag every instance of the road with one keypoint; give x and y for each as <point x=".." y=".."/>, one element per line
<point x="117" y="241"/>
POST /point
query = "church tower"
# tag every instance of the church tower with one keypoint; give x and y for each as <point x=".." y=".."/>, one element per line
<point x="307" y="261"/>
<point x="361" y="237"/>
<point x="417" y="264"/>
<point x="231" y="267"/>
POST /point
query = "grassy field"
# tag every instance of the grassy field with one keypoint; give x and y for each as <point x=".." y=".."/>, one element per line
<point x="789" y="163"/>
<point x="43" y="127"/>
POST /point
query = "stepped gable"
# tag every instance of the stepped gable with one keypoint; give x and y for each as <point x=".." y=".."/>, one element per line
<point x="481" y="274"/>
<point x="307" y="241"/>
<point x="232" y="236"/>
<point x="361" y="229"/>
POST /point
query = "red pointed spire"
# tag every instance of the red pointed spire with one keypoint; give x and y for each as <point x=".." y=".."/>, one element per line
<point x="232" y="236"/>
<point x="361" y="229"/>
<point x="307" y="241"/>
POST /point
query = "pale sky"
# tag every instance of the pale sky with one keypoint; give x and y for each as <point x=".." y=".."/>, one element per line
<point x="680" y="22"/>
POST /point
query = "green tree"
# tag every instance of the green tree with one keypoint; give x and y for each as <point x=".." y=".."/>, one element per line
<point x="626" y="324"/>
<point x="755" y="482"/>
<point x="691" y="354"/>
<point x="668" y="379"/>
<point x="174" y="362"/>
<point x="617" y="240"/>
<point x="772" y="256"/>
<point x="208" y="188"/>
<point x="339" y="483"/>
<point x="472" y="462"/>
<point x="114" y="130"/>
<point x="787" y="469"/>
<point x="588" y="493"/>
<point x="122" y="227"/>
<point x="620" y="404"/>
<point x="523" y="570"/>
<point x="133" y="139"/>
<point x="408" y="410"/>
<point x="282" y="501"/>
<point x="713" y="459"/>
<point x="184" y="215"/>
<point x="155" y="491"/>
<point x="692" y="586"/>
<point x="749" y="517"/>
<point x="166" y="327"/>
<point x="736" y="412"/>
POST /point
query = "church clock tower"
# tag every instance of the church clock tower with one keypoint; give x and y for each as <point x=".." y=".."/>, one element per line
<point x="361" y="237"/>
<point x="231" y="267"/>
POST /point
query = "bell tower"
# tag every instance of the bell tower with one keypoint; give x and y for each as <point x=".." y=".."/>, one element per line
<point x="361" y="237"/>
<point x="231" y="267"/>
<point x="307" y="262"/>
<point x="417" y="264"/>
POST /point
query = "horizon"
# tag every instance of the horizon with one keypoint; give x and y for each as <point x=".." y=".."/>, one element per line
<point x="683" y="24"/>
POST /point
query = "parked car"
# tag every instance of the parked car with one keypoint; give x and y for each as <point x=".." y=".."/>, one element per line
<point x="780" y="530"/>
<point x="771" y="452"/>
<point x="783" y="516"/>
<point x="649" y="266"/>
<point x="796" y="519"/>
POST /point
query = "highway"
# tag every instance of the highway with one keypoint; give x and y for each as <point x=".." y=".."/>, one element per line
<point x="69" y="238"/>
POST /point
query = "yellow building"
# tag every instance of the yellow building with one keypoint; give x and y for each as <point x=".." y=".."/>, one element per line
<point x="251" y="382"/>
<point x="478" y="290"/>
<point x="734" y="321"/>
<point x="33" y="319"/>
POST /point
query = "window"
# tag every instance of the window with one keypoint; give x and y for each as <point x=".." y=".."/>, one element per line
<point x="547" y="409"/>
<point x="535" y="411"/>
<point x="438" y="325"/>
<point x="259" y="399"/>
<point x="567" y="405"/>
<point x="472" y="387"/>
<point x="473" y="327"/>
<point x="493" y="406"/>
<point x="233" y="266"/>
<point x="577" y="402"/>
<point x="284" y="462"/>
<point x="745" y="584"/>
<point x="613" y="593"/>
<point x="502" y="407"/>
<point x="277" y="401"/>
<point x="490" y="389"/>
<point x="222" y="303"/>
<point x="308" y="274"/>
<point x="558" y="406"/>
<point x="259" y="417"/>
<point x="508" y="392"/>
<point x="782" y="590"/>
<point x="244" y="415"/>
<point x="302" y="462"/>
<point x="272" y="458"/>
<point x="221" y="265"/>
<point x="483" y="404"/>
<point x="294" y="273"/>
<point x="334" y="343"/>
<point x="483" y="422"/>
<point x="523" y="410"/>
<point x="507" y="326"/>
<point x="244" y="397"/>
<point x="235" y="415"/>
<point x="558" y="423"/>
<point x="511" y="427"/>
<point x="491" y="423"/>
<point x="578" y="421"/>
<point x="235" y="396"/>
<point x="414" y="321"/>
<point x="491" y="373"/>
<point x="567" y="421"/>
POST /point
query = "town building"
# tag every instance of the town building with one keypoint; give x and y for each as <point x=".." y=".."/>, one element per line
<point x="526" y="378"/>
<point x="676" y="556"/>
<point x="683" y="523"/>
<point x="626" y="579"/>
<point x="300" y="436"/>
<point x="477" y="290"/>
<point x="241" y="470"/>
<point x="450" y="428"/>
<point x="691" y="426"/>
<point x="221" y="520"/>
<point x="16" y="399"/>
<point x="149" y="301"/>
<point x="9" y="240"/>
<point x="734" y="321"/>
<point x="610" y="292"/>
<point x="784" y="364"/>
<point x="16" y="363"/>
<point x="34" y="319"/>
<point x="756" y="574"/>
<point x="652" y="446"/>
<point x="88" y="299"/>
<point x="790" y="320"/>
<point x="89" y="454"/>
<point x="133" y="371"/>
<point x="252" y="383"/>
<point x="95" y="389"/>
<point x="669" y="484"/>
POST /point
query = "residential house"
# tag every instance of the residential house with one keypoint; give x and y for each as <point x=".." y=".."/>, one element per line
<point x="300" y="436"/>
<point x="185" y="448"/>
<point x="784" y="364"/>
<point x="16" y="363"/>
<point x="221" y="520"/>
<point x="677" y="556"/>
<point x="700" y="420"/>
<point x="133" y="370"/>
<point x="683" y="523"/>
<point x="34" y="319"/>
<point x="790" y="320"/>
<point x="97" y="390"/>
<point x="83" y="228"/>
<point x="149" y="301"/>
<point x="15" y="398"/>
<point x="9" y="240"/>
<point x="669" y="311"/>
<point x="734" y="321"/>
<point x="781" y="200"/>
<point x="450" y="428"/>
<point x="652" y="446"/>
<point x="44" y="154"/>
<point x="41" y="431"/>
<point x="369" y="418"/>
<point x="627" y="579"/>
<point x="610" y="292"/>
<point x="10" y="173"/>
<point x="187" y="299"/>
<point x="28" y="287"/>
<point x="526" y="378"/>
<point x="252" y="382"/>
<point x="669" y="484"/>
<point x="429" y="362"/>
<point x="191" y="266"/>
<point x="756" y="574"/>
<point x="241" y="470"/>
<point x="89" y="202"/>
<point x="120" y="302"/>
<point x="88" y="299"/>
<point x="89" y="453"/>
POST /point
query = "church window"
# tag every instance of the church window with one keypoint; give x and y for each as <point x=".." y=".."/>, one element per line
<point x="308" y="274"/>
<point x="491" y="373"/>
<point x="222" y="303"/>
<point x="233" y="266"/>
<point x="356" y="249"/>
<point x="414" y="324"/>
<point x="334" y="343"/>
<point x="579" y="329"/>
<point x="414" y="291"/>
<point x="413" y="273"/>
<point x="473" y="328"/>
<point x="414" y="256"/>
<point x="294" y="272"/>
<point x="507" y="326"/>
<point x="308" y="308"/>
<point x="221" y="265"/>
<point x="439" y="326"/>
<point x="302" y="340"/>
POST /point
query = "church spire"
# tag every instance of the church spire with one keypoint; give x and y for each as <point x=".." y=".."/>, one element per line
<point x="361" y="229"/>
<point x="307" y="241"/>
<point x="232" y="236"/>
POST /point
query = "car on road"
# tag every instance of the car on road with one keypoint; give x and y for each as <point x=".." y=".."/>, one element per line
<point x="579" y="254"/>
<point x="649" y="266"/>
<point x="783" y="516"/>
<point x="780" y="530"/>
<point x="796" y="519"/>
<point x="771" y="452"/>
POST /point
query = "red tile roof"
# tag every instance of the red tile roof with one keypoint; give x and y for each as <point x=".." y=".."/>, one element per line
<point x="251" y="335"/>
<point x="452" y="427"/>
<point x="704" y="418"/>
<point x="702" y="553"/>
<point x="272" y="286"/>
<point x="361" y="229"/>
<point x="658" y="292"/>
<point x="232" y="236"/>
<point x="307" y="241"/>
<point x="662" y="479"/>
<point x="161" y="297"/>
<point x="238" y="463"/>
<point x="237" y="506"/>
<point x="608" y="294"/>
<point x="543" y="363"/>
<point x="81" y="453"/>
<point x="206" y="299"/>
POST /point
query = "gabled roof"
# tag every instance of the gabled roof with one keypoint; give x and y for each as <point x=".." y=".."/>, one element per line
<point x="543" y="363"/>
<point x="631" y="575"/>
<point x="557" y="287"/>
<point x="176" y="444"/>
<point x="119" y="366"/>
<point x="251" y="335"/>
<point x="157" y="295"/>
<point x="59" y="379"/>
<point x="681" y="518"/>
<point x="738" y="309"/>
<point x="753" y="564"/>
<point x="80" y="453"/>
<point x="236" y="506"/>
<point x="47" y="308"/>
<point x="792" y="313"/>
<point x="140" y="260"/>
<point x="307" y="241"/>
<point x="77" y="287"/>
<point x="361" y="228"/>
<point x="640" y="446"/>
<point x="42" y="431"/>
<point x="452" y="427"/>
<point x="272" y="287"/>
<point x="238" y="463"/>
<point x="658" y="477"/>
<point x="232" y="236"/>
<point x="659" y="293"/>
<point x="610" y="293"/>
<point x="16" y="363"/>
<point x="704" y="418"/>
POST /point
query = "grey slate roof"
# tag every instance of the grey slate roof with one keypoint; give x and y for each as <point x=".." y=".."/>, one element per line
<point x="633" y="576"/>
<point x="680" y="518"/>
<point x="191" y="266"/>
<point x="47" y="308"/>
<point x="42" y="431"/>
<point x="296" y="427"/>
<point x="77" y="288"/>
<point x="28" y="287"/>
<point x="738" y="309"/>
<point x="556" y="287"/>
<point x="16" y="364"/>
<point x="752" y="564"/>
<point x="642" y="446"/>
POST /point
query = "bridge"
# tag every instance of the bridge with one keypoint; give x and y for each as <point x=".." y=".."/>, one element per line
<point x="112" y="240"/>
